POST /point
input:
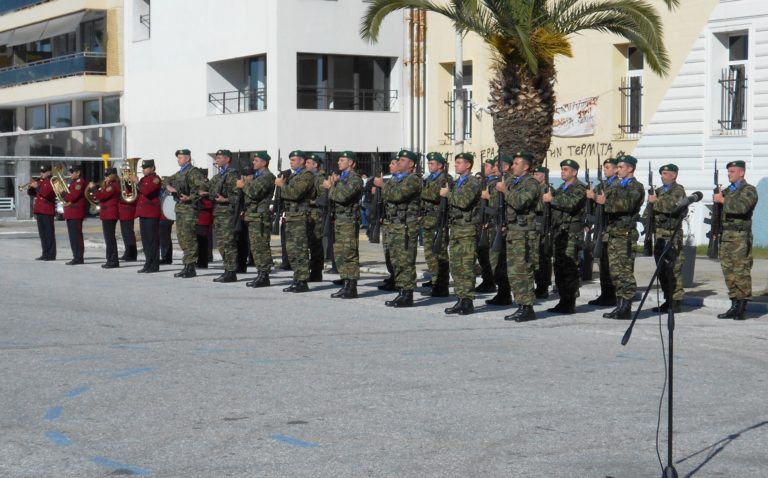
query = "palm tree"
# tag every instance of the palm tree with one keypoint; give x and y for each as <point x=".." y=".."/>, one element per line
<point x="524" y="37"/>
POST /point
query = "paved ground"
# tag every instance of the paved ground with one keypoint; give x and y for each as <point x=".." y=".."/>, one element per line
<point x="108" y="373"/>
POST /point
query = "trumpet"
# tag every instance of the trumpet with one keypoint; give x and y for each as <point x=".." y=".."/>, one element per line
<point x="127" y="187"/>
<point x="26" y="186"/>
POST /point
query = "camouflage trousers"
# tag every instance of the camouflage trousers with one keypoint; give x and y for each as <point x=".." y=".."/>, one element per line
<point x="543" y="273"/>
<point x="621" y="262"/>
<point x="225" y="239"/>
<point x="402" y="241"/>
<point x="259" y="234"/>
<point x="736" y="262"/>
<point x="433" y="260"/>
<point x="297" y="245"/>
<point x="346" y="250"/>
<point x="567" y="245"/>
<point x="463" y="249"/>
<point x="186" y="233"/>
<point x="522" y="255"/>
<point x="670" y="276"/>
<point x="498" y="260"/>
<point x="315" y="241"/>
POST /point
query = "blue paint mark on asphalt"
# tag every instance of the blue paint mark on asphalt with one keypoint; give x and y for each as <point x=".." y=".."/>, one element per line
<point x="134" y="470"/>
<point x="58" y="438"/>
<point x="76" y="392"/>
<point x="294" y="441"/>
<point x="53" y="413"/>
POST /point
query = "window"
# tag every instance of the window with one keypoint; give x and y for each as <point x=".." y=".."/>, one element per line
<point x="35" y="117"/>
<point x="257" y="82"/>
<point x="111" y="109"/>
<point x="341" y="82"/>
<point x="467" y="96"/>
<point x="91" y="112"/>
<point x="237" y="85"/>
<point x="632" y="95"/>
<point x="92" y="34"/>
<point x="733" y="84"/>
<point x="60" y="115"/>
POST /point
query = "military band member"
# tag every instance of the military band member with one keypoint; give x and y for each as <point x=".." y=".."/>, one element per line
<point x="437" y="263"/>
<point x="127" y="212"/>
<point x="487" y="277"/>
<point x="522" y="194"/>
<point x="739" y="200"/>
<point x="567" y="204"/>
<point x="497" y="259"/>
<point x="402" y="196"/>
<point x="297" y="192"/>
<point x="607" y="291"/>
<point x="387" y="284"/>
<point x="663" y="201"/>
<point x="148" y="212"/>
<point x="464" y="221"/>
<point x="185" y="186"/>
<point x="344" y="192"/>
<point x="258" y="192"/>
<point x="44" y="209"/>
<point x="108" y="196"/>
<point x="75" y="206"/>
<point x="622" y="204"/>
<point x="222" y="191"/>
<point x="543" y="272"/>
<point x="315" y="221"/>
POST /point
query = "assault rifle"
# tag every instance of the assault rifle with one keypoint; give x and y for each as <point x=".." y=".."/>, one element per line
<point x="589" y="222"/>
<point x="328" y="233"/>
<point x="501" y="218"/>
<point x="650" y="222"/>
<point x="237" y="218"/>
<point x="483" y="242"/>
<point x="377" y="213"/>
<point x="441" y="231"/>
<point x="278" y="205"/>
<point x="715" y="222"/>
<point x="599" y="216"/>
<point x="547" y="219"/>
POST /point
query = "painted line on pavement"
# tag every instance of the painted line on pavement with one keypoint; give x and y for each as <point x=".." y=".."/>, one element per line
<point x="53" y="413"/>
<point x="58" y="438"/>
<point x="75" y="392"/>
<point x="294" y="441"/>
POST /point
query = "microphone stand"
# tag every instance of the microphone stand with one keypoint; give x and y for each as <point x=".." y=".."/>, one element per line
<point x="669" y="255"/>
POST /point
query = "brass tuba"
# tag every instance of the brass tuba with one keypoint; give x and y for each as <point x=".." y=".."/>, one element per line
<point x="94" y="207"/>
<point x="59" y="184"/>
<point x="128" y="189"/>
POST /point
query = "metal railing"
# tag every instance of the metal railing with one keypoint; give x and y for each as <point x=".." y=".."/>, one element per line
<point x="85" y="142"/>
<point x="8" y="6"/>
<point x="345" y="99"/>
<point x="145" y="20"/>
<point x="631" y="107"/>
<point x="82" y="63"/>
<point x="467" y="115"/>
<point x="733" y="100"/>
<point x="239" y="101"/>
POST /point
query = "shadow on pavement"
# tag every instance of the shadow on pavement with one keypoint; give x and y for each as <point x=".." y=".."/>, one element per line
<point x="714" y="449"/>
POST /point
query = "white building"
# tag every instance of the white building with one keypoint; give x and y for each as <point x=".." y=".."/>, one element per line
<point x="248" y="75"/>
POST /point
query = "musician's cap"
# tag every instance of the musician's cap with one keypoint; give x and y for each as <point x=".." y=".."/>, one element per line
<point x="436" y="157"/>
<point x="612" y="161"/>
<point x="467" y="156"/>
<point x="505" y="159"/>
<point x="110" y="171"/>
<point x="404" y="153"/>
<point x="44" y="168"/>
<point x="75" y="168"/>
<point x="312" y="157"/>
<point x="349" y="155"/>
<point x="570" y="163"/>
<point x="540" y="169"/>
<point x="525" y="155"/>
<point x="224" y="152"/>
<point x="148" y="163"/>
<point x="738" y="164"/>
<point x="261" y="155"/>
<point x="668" y="167"/>
<point x="297" y="153"/>
<point x="629" y="159"/>
<point x="185" y="152"/>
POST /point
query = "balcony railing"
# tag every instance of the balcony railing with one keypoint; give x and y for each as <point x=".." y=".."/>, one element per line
<point x="450" y="102"/>
<point x="240" y="101"/>
<point x="348" y="99"/>
<point x="69" y="65"/>
<point x="631" y="107"/>
<point x="78" y="142"/>
<point x="733" y="100"/>
<point x="8" y="6"/>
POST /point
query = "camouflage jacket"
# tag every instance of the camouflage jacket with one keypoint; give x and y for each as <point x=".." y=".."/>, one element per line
<point x="522" y="196"/>
<point x="258" y="195"/>
<point x="402" y="197"/>
<point x="622" y="204"/>
<point x="318" y="198"/>
<point x="493" y="201"/>
<point x="224" y="184"/>
<point x="430" y="192"/>
<point x="188" y="181"/>
<point x="739" y="204"/>
<point x="663" y="207"/>
<point x="345" y="195"/>
<point x="464" y="202"/>
<point x="568" y="206"/>
<point x="297" y="192"/>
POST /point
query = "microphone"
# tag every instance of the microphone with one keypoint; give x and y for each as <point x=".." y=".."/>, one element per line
<point x="685" y="202"/>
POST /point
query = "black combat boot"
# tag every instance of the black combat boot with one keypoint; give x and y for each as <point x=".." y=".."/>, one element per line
<point x="391" y="303"/>
<point x="467" y="307"/>
<point x="291" y="287"/>
<point x="315" y="275"/>
<point x="190" y="271"/>
<point x="340" y="293"/>
<point x="455" y="309"/>
<point x="351" y="291"/>
<point x="440" y="283"/>
<point x="388" y="284"/>
<point x="301" y="286"/>
<point x="182" y="272"/>
<point x="604" y="299"/>
<point x="427" y="284"/>
<point x="406" y="299"/>
<point x="541" y="292"/>
<point x="486" y="286"/>
<point x="503" y="296"/>
<point x="741" y="309"/>
<point x="612" y="314"/>
<point x="566" y="306"/>
<point x="338" y="282"/>
<point x="252" y="283"/>
<point x="524" y="313"/>
<point x="730" y="313"/>
<point x="262" y="280"/>
<point x="226" y="277"/>
<point x="625" y="312"/>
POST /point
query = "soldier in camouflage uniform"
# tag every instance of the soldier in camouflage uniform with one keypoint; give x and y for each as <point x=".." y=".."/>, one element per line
<point x="497" y="259"/>
<point x="739" y="200"/>
<point x="662" y="201"/>
<point x="567" y="204"/>
<point x="543" y="274"/>
<point x="607" y="291"/>
<point x="315" y="223"/>
<point x="258" y="191"/>
<point x="437" y="263"/>
<point x="622" y="204"/>
<point x="522" y="193"/>
<point x="402" y="195"/>
<point x="464" y="220"/>
<point x="387" y="284"/>
<point x="185" y="186"/>
<point x="487" y="277"/>
<point x="221" y="189"/>
<point x="297" y="192"/>
<point x="344" y="192"/>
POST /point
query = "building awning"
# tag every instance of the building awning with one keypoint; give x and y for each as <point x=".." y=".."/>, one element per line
<point x="62" y="25"/>
<point x="42" y="30"/>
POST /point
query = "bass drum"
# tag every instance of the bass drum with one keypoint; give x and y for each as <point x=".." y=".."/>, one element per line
<point x="168" y="205"/>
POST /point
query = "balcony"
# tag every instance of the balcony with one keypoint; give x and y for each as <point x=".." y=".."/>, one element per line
<point x="346" y="99"/>
<point x="77" y="142"/>
<point x="8" y="6"/>
<point x="60" y="67"/>
<point x="240" y="101"/>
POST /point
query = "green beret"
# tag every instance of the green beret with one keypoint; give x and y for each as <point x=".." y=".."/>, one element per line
<point x="298" y="153"/>
<point x="404" y="153"/>
<point x="525" y="155"/>
<point x="311" y="156"/>
<point x="436" y="157"/>
<point x="612" y="161"/>
<point x="570" y="163"/>
<point x="668" y="167"/>
<point x="491" y="161"/>
<point x="261" y="155"/>
<point x="738" y="164"/>
<point x="540" y="169"/>
<point x="467" y="156"/>
<point x="629" y="159"/>
<point x="224" y="152"/>
<point x="185" y="152"/>
<point x="349" y="155"/>
<point x="505" y="159"/>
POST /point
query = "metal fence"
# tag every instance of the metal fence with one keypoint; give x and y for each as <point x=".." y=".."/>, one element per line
<point x="239" y="101"/>
<point x="346" y="99"/>
<point x="631" y="107"/>
<point x="733" y="102"/>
